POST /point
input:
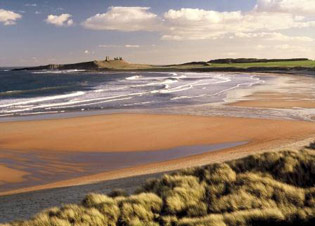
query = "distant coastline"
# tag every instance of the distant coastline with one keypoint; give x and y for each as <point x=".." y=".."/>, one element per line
<point x="288" y="66"/>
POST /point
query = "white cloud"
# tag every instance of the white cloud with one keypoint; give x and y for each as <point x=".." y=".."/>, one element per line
<point x="300" y="7"/>
<point x="283" y="47"/>
<point x="194" y="24"/>
<point x="88" y="52"/>
<point x="63" y="20"/>
<point x="119" y="46"/>
<point x="123" y="19"/>
<point x="108" y="46"/>
<point x="132" y="46"/>
<point x="198" y="15"/>
<point x="267" y="19"/>
<point x="31" y="5"/>
<point x="260" y="47"/>
<point x="294" y="49"/>
<point x="9" y="17"/>
<point x="273" y="36"/>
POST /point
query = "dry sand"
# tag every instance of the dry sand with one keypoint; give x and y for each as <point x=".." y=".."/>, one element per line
<point x="136" y="132"/>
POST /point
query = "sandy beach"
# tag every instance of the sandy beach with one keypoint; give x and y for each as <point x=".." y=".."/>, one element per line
<point x="10" y="175"/>
<point x="277" y="100"/>
<point x="294" y="92"/>
<point x="138" y="132"/>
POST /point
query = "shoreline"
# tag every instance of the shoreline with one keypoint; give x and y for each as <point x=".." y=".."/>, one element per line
<point x="279" y="80"/>
<point x="294" y="71"/>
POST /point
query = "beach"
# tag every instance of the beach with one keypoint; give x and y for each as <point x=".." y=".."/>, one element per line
<point x="148" y="113"/>
<point x="138" y="132"/>
<point x="297" y="93"/>
<point x="127" y="133"/>
<point x="185" y="120"/>
<point x="255" y="112"/>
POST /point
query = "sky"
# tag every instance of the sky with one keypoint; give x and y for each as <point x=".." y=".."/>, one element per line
<point x="37" y="32"/>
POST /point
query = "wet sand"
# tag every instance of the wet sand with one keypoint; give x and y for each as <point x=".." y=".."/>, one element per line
<point x="268" y="103"/>
<point x="25" y="205"/>
<point x="8" y="175"/>
<point x="294" y="92"/>
<point x="45" y="167"/>
<point x="278" y="100"/>
<point x="138" y="132"/>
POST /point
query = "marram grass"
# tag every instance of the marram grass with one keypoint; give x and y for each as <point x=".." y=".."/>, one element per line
<point x="268" y="189"/>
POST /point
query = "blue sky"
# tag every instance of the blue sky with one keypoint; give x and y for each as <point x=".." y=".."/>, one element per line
<point x="153" y="31"/>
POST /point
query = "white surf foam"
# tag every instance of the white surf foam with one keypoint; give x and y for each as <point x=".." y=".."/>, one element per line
<point x="42" y="99"/>
<point x="58" y="71"/>
<point x="135" y="77"/>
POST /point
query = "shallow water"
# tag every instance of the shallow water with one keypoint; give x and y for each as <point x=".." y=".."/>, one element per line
<point x="45" y="168"/>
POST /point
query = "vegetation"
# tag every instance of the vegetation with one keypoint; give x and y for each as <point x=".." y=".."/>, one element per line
<point x="228" y="64"/>
<point x="253" y="60"/>
<point x="243" y="64"/>
<point x="282" y="63"/>
<point x="268" y="189"/>
<point x="311" y="146"/>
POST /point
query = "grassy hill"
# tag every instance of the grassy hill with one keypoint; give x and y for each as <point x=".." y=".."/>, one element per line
<point x="282" y="63"/>
<point x="248" y="63"/>
<point x="267" y="189"/>
<point x="120" y="65"/>
<point x="97" y="65"/>
<point x="241" y="64"/>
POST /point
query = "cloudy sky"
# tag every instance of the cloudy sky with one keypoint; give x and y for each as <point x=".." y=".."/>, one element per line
<point x="36" y="32"/>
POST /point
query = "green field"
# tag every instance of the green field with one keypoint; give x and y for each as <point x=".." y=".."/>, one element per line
<point x="308" y="64"/>
<point x="305" y="63"/>
<point x="267" y="189"/>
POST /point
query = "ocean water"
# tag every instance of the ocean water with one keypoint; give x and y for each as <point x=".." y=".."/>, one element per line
<point x="31" y="93"/>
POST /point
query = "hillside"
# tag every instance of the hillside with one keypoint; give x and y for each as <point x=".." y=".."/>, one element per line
<point x="92" y="66"/>
<point x="267" y="189"/>
<point x="253" y="60"/>
<point x="237" y="65"/>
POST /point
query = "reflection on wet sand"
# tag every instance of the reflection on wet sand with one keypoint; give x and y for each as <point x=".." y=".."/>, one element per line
<point x="41" y="167"/>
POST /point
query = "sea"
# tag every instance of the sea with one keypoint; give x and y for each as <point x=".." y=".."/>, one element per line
<point x="43" y="92"/>
<point x="75" y="92"/>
